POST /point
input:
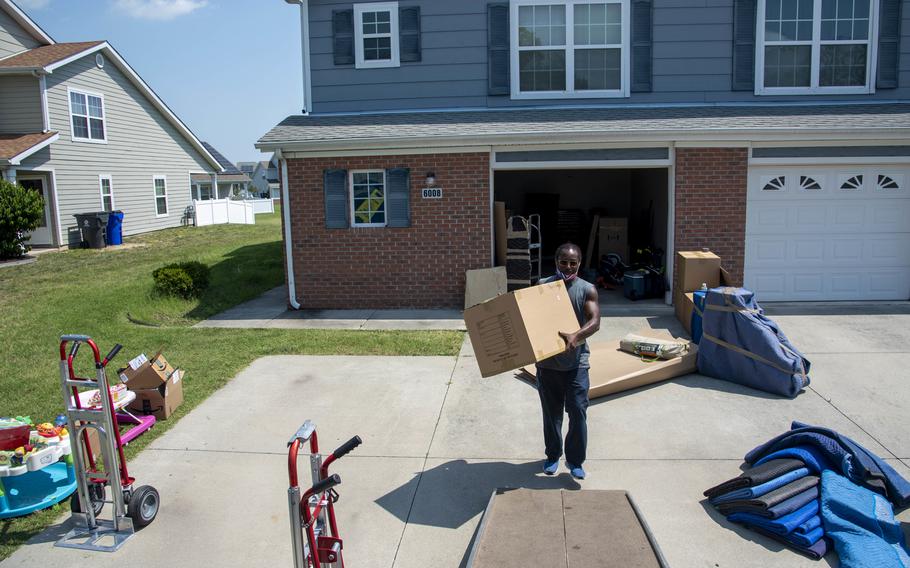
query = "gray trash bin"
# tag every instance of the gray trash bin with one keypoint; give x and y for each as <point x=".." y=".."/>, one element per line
<point x="93" y="227"/>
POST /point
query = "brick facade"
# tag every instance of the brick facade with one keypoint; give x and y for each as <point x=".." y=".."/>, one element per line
<point x="422" y="266"/>
<point x="711" y="203"/>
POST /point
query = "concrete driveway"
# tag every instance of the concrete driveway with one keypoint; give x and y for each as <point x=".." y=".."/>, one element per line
<point x="438" y="439"/>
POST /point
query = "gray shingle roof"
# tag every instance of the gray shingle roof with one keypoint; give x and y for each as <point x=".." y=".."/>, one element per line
<point x="229" y="168"/>
<point x="567" y="121"/>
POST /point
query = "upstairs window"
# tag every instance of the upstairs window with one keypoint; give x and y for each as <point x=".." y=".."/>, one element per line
<point x="815" y="46"/>
<point x="87" y="116"/>
<point x="574" y="48"/>
<point x="376" y="35"/>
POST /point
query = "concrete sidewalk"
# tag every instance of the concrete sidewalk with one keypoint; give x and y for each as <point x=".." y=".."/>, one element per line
<point x="438" y="439"/>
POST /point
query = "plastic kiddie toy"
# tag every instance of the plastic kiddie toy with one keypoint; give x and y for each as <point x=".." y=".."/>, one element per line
<point x="132" y="507"/>
<point x="314" y="532"/>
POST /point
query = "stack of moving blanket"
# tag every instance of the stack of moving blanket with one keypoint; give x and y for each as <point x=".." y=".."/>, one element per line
<point x="812" y="488"/>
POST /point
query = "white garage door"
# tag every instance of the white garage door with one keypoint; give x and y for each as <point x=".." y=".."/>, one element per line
<point x="828" y="233"/>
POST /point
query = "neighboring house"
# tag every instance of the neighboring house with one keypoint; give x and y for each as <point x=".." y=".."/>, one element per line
<point x="79" y="126"/>
<point x="231" y="182"/>
<point x="777" y="133"/>
<point x="260" y="180"/>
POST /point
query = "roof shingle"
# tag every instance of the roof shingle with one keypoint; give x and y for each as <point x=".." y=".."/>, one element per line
<point x="46" y="55"/>
<point x="11" y="145"/>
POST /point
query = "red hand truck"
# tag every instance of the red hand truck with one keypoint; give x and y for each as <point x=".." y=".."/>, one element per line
<point x="314" y="531"/>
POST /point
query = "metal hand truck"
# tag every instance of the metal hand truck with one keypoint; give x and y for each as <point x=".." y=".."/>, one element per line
<point x="133" y="508"/>
<point x="313" y="513"/>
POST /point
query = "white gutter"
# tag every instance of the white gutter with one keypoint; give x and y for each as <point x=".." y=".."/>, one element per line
<point x="45" y="114"/>
<point x="288" y="248"/>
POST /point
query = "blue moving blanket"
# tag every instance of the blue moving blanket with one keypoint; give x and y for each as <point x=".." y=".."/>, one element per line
<point x="815" y="551"/>
<point x="739" y="344"/>
<point x="784" y="525"/>
<point x="762" y="489"/>
<point x="849" y="458"/>
<point x="862" y="525"/>
<point x="814" y="459"/>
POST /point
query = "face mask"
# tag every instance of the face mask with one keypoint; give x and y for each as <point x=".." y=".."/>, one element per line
<point x="566" y="277"/>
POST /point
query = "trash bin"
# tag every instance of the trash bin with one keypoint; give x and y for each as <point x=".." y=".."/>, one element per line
<point x="92" y="226"/>
<point x="115" y="228"/>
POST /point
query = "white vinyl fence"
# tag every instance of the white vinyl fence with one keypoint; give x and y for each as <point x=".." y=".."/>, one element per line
<point x="221" y="211"/>
<point x="261" y="205"/>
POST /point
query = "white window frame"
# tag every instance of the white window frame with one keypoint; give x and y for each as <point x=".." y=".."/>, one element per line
<point x="69" y="103"/>
<point x="570" y="92"/>
<point x="359" y="9"/>
<point x="110" y="184"/>
<point x="167" y="205"/>
<point x="385" y="197"/>
<point x="814" y="88"/>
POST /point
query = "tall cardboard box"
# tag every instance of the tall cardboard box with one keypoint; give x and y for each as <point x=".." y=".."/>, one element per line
<point x="520" y="327"/>
<point x="158" y="386"/>
<point x="613" y="236"/>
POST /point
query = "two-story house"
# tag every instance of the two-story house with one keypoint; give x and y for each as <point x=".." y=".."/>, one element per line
<point x="81" y="127"/>
<point x="774" y="132"/>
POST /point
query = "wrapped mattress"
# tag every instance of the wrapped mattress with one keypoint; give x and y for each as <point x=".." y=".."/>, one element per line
<point x="739" y="344"/>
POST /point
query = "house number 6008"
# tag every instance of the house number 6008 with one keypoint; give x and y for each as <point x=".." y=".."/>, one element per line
<point x="432" y="193"/>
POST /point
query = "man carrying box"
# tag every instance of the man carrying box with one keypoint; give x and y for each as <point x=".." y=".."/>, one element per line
<point x="562" y="380"/>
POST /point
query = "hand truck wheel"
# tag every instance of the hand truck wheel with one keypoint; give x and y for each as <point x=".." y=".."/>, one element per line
<point x="143" y="505"/>
<point x="95" y="494"/>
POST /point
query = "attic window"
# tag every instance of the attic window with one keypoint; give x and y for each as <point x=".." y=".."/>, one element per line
<point x="87" y="117"/>
<point x="376" y="35"/>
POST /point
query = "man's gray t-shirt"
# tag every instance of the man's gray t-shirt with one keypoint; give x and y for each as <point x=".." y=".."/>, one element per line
<point x="576" y="358"/>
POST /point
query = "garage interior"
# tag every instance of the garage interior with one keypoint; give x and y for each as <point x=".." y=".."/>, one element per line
<point x="568" y="202"/>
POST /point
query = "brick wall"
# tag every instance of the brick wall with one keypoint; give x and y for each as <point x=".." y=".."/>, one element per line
<point x="711" y="203"/>
<point x="422" y="266"/>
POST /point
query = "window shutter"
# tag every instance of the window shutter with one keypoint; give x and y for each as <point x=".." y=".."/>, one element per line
<point x="498" y="48"/>
<point x="889" y="38"/>
<point x="641" y="46"/>
<point x="744" y="13"/>
<point x="336" y="199"/>
<point x="398" y="197"/>
<point x="343" y="36"/>
<point x="409" y="33"/>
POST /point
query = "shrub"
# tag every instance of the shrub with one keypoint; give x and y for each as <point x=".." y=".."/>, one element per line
<point x="184" y="279"/>
<point x="21" y="210"/>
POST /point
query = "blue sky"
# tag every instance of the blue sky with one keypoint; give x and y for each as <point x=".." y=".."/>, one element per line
<point x="230" y="69"/>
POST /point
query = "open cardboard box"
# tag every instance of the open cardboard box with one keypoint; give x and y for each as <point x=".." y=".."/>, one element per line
<point x="614" y="370"/>
<point x="158" y="386"/>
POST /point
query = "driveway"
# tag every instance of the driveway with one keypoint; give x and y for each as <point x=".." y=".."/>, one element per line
<point x="438" y="439"/>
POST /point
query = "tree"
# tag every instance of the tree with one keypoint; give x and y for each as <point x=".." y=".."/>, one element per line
<point x="21" y="211"/>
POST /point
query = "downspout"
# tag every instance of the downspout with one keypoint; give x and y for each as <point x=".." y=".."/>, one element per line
<point x="45" y="118"/>
<point x="288" y="248"/>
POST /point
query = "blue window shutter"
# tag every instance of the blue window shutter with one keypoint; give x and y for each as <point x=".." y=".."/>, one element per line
<point x="641" y="46"/>
<point x="498" y="48"/>
<point x="409" y="33"/>
<point x="744" y="14"/>
<point x="398" y="197"/>
<point x="336" y="199"/>
<point x="343" y="36"/>
<point x="889" y="44"/>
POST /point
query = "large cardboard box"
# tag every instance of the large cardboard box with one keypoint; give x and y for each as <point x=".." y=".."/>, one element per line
<point x="614" y="370"/>
<point x="684" y="306"/>
<point x="520" y="327"/>
<point x="484" y="284"/>
<point x="695" y="268"/>
<point x="613" y="236"/>
<point x="158" y="386"/>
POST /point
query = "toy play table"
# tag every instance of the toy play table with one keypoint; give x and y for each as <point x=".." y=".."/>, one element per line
<point x="124" y="416"/>
<point x="44" y="479"/>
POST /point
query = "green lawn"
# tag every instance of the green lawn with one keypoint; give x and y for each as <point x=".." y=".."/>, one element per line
<point x="102" y="293"/>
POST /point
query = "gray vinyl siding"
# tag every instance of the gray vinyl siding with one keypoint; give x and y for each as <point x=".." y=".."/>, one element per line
<point x="140" y="144"/>
<point x="13" y="38"/>
<point x="692" y="62"/>
<point x="20" y="104"/>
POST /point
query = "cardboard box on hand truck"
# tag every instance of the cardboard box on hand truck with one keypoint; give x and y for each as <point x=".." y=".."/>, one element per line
<point x="158" y="386"/>
<point x="520" y="327"/>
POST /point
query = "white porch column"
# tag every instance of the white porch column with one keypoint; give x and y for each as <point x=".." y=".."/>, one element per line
<point x="214" y="186"/>
<point x="11" y="174"/>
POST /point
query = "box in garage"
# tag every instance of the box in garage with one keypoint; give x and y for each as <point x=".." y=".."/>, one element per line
<point x="613" y="370"/>
<point x="158" y="386"/>
<point x="613" y="236"/>
<point x="520" y="327"/>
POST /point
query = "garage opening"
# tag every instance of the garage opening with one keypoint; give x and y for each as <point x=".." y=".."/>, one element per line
<point x="612" y="214"/>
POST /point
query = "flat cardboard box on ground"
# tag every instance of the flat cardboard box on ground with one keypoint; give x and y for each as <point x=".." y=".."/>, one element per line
<point x="520" y="327"/>
<point x="613" y="370"/>
<point x="158" y="386"/>
<point x="483" y="284"/>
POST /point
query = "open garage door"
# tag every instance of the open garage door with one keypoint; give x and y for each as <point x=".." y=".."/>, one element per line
<point x="828" y="233"/>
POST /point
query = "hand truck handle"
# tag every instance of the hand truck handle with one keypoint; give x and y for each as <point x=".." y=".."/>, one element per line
<point x="346" y="447"/>
<point x="111" y="355"/>
<point x="325" y="484"/>
<point x="74" y="349"/>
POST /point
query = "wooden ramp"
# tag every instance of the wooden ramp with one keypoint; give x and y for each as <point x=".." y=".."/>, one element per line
<point x="559" y="528"/>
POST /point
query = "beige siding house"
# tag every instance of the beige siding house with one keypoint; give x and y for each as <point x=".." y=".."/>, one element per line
<point x="80" y="126"/>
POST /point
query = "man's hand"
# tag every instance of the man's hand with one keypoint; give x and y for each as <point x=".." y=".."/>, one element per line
<point x="571" y="339"/>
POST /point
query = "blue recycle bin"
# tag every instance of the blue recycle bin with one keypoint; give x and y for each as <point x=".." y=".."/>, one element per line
<point x="699" y="297"/>
<point x="115" y="228"/>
